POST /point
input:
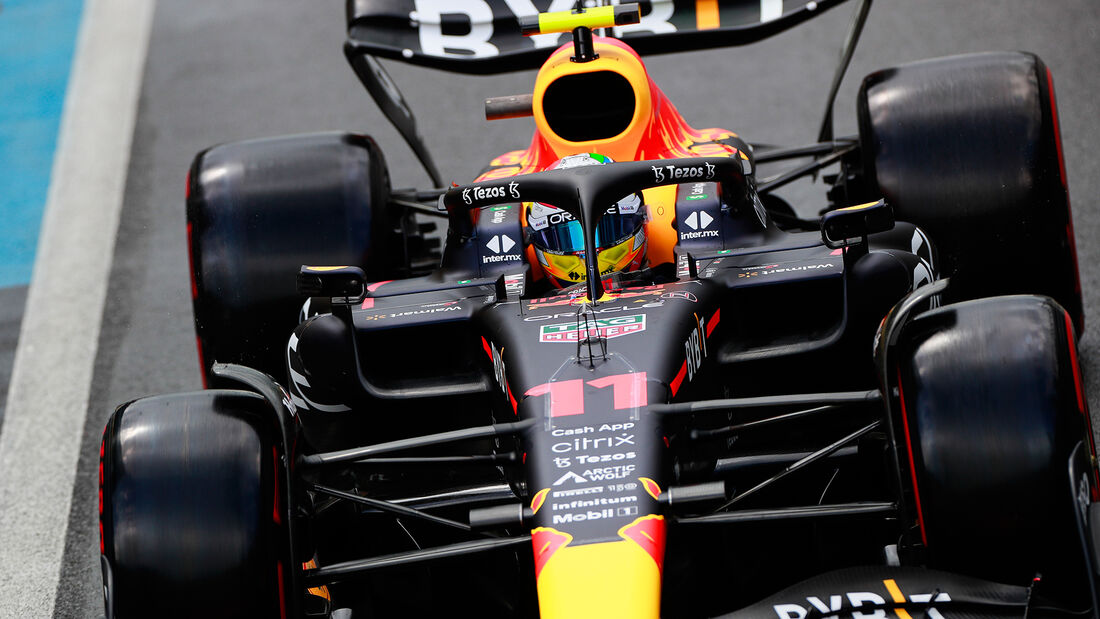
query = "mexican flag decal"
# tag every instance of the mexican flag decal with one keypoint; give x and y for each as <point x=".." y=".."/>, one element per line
<point x="602" y="327"/>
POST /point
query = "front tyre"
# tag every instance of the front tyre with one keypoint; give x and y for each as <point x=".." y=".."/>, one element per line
<point x="257" y="211"/>
<point x="991" y="408"/>
<point x="968" y="148"/>
<point x="192" y="520"/>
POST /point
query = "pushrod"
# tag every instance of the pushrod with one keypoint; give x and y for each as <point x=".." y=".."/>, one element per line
<point x="393" y="508"/>
<point x="367" y="451"/>
<point x="804" y="462"/>
<point x="792" y="513"/>
<point x="798" y="399"/>
<point x="350" y="569"/>
<point x="698" y="434"/>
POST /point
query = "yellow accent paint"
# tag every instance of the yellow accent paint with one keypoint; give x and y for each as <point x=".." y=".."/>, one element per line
<point x="610" y="257"/>
<point x="605" y="580"/>
<point x="716" y="134"/>
<point x="509" y="158"/>
<point x="571" y="267"/>
<point x="321" y="591"/>
<point x="859" y="206"/>
<point x="706" y="14"/>
<point x="568" y="267"/>
<point x="659" y="232"/>
<point x="896" y="594"/>
<point x="502" y="172"/>
<point x="325" y="269"/>
<point x="710" y="150"/>
<point x="539" y="500"/>
<point x="566" y="21"/>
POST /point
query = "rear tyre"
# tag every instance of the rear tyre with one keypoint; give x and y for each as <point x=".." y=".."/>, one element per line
<point x="257" y="211"/>
<point x="192" y="522"/>
<point x="968" y="148"/>
<point x="991" y="409"/>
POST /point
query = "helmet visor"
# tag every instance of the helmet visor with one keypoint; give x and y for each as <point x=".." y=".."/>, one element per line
<point x="564" y="237"/>
<point x="571" y="268"/>
<point x="559" y="232"/>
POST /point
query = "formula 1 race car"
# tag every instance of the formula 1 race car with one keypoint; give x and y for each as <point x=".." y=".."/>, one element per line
<point x="632" y="381"/>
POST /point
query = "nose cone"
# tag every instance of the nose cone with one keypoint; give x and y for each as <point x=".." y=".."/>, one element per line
<point x="619" y="578"/>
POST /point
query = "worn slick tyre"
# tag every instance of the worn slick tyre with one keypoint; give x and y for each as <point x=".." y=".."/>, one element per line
<point x="968" y="148"/>
<point x="258" y="210"/>
<point x="991" y="408"/>
<point x="191" y="521"/>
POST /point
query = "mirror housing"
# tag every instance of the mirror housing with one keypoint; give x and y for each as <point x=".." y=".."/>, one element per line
<point x="851" y="225"/>
<point x="345" y="284"/>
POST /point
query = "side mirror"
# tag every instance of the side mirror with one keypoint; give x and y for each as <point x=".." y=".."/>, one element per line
<point x="347" y="284"/>
<point x="851" y="225"/>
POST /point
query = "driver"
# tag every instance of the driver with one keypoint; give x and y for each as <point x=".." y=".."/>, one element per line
<point x="559" y="242"/>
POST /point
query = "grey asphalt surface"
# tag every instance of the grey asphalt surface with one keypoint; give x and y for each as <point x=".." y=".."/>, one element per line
<point x="11" y="313"/>
<point x="220" y="71"/>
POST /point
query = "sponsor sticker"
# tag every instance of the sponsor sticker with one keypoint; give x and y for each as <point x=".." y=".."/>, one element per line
<point x="470" y="194"/>
<point x="428" y="309"/>
<point x="564" y="463"/>
<point x="848" y="603"/>
<point x="581" y="298"/>
<point x="695" y="348"/>
<point x="587" y="444"/>
<point x="682" y="295"/>
<point x="571" y="479"/>
<point x="498" y="214"/>
<point x="775" y="269"/>
<point x="606" y="427"/>
<point x="699" y="222"/>
<point x="500" y="243"/>
<point x="570" y="476"/>
<point x="515" y="284"/>
<point x="578" y="504"/>
<point x="606" y="328"/>
<point x="662" y="174"/>
<point x="601" y="514"/>
<point x="578" y="492"/>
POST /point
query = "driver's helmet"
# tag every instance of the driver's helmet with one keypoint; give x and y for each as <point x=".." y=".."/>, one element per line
<point x="559" y="242"/>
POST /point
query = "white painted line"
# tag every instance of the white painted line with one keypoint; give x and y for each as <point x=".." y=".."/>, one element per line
<point x="52" y="372"/>
<point x="770" y="9"/>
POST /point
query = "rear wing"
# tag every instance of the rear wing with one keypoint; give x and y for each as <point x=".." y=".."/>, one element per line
<point x="487" y="36"/>
<point x="484" y="36"/>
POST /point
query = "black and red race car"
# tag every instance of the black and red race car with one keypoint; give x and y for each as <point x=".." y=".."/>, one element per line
<point x="870" y="413"/>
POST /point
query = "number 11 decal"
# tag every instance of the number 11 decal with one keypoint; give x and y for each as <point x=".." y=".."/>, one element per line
<point x="567" y="396"/>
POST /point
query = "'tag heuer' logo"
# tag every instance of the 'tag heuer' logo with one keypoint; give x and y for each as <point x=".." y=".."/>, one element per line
<point x="606" y="328"/>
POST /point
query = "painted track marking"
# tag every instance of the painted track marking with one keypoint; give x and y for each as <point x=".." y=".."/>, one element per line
<point x="52" y="372"/>
<point x="37" y="39"/>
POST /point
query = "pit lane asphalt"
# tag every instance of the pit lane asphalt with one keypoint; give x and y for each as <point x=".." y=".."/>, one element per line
<point x="220" y="71"/>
